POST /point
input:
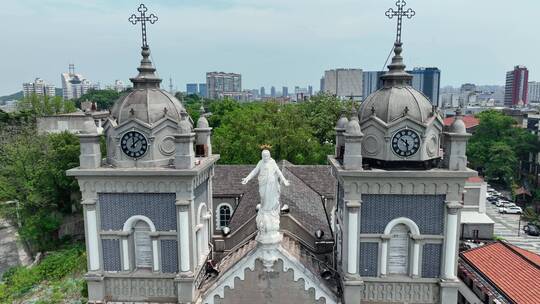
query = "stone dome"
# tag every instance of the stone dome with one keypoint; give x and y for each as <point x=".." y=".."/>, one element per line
<point x="397" y="97"/>
<point x="147" y="102"/>
<point x="184" y="126"/>
<point x="391" y="103"/>
<point x="148" y="105"/>
<point x="89" y="127"/>
<point x="342" y="122"/>
<point x="458" y="126"/>
<point x="353" y="127"/>
<point x="202" y="122"/>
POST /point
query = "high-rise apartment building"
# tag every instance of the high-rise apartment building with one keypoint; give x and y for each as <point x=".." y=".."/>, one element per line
<point x="534" y="91"/>
<point x="192" y="88"/>
<point x="263" y="93"/>
<point x="516" y="86"/>
<point x="75" y="85"/>
<point x="426" y="80"/>
<point x="38" y="87"/>
<point x="285" y="91"/>
<point x="220" y="85"/>
<point x="343" y="83"/>
<point x="371" y="82"/>
<point x="310" y="90"/>
<point x="202" y="90"/>
<point x="273" y="92"/>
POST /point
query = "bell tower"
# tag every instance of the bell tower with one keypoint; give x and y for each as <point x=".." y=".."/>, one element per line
<point x="398" y="196"/>
<point x="147" y="206"/>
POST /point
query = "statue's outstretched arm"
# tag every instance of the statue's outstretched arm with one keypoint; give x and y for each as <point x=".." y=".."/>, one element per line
<point x="280" y="175"/>
<point x="252" y="174"/>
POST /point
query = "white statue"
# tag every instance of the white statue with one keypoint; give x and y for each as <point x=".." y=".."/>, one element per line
<point x="270" y="179"/>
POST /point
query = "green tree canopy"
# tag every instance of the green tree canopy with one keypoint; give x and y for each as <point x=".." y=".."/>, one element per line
<point x="45" y="105"/>
<point x="498" y="145"/>
<point x="32" y="177"/>
<point x="104" y="99"/>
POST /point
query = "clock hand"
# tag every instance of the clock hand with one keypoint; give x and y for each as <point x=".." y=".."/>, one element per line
<point x="406" y="142"/>
<point x="134" y="143"/>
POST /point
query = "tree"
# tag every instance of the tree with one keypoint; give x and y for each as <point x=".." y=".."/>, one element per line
<point x="32" y="175"/>
<point x="45" y="105"/>
<point x="498" y="145"/>
<point x="243" y="129"/>
<point x="104" y="99"/>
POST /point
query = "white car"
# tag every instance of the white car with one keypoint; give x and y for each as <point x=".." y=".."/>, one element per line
<point x="501" y="203"/>
<point x="511" y="210"/>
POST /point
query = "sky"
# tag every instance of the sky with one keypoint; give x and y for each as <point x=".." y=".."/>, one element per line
<point x="270" y="42"/>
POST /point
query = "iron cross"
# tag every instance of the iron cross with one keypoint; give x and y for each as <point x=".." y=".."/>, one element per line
<point x="391" y="13"/>
<point x="142" y="19"/>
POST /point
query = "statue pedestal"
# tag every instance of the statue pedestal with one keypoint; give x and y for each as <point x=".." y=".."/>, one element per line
<point x="269" y="243"/>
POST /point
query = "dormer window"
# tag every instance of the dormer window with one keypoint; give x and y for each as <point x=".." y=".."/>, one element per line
<point x="224" y="212"/>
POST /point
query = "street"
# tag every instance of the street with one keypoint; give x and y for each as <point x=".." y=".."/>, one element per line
<point x="507" y="227"/>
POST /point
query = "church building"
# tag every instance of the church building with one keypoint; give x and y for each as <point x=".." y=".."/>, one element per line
<point x="380" y="224"/>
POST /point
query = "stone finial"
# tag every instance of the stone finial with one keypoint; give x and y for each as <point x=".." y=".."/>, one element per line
<point x="458" y="126"/>
<point x="184" y="126"/>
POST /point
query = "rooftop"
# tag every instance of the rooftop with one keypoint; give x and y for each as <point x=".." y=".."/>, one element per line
<point x="513" y="272"/>
<point x="469" y="120"/>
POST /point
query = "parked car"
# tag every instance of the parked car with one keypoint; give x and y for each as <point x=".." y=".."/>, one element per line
<point x="511" y="210"/>
<point x="508" y="204"/>
<point x="501" y="202"/>
<point x="531" y="229"/>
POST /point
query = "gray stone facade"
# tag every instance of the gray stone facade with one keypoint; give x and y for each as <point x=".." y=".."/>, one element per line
<point x="277" y="287"/>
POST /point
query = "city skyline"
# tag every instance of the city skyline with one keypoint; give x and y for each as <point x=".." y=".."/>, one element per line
<point x="294" y="51"/>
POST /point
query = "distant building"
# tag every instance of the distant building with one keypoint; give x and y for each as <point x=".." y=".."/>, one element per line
<point x="38" y="87"/>
<point x="192" y="88"/>
<point x="310" y="90"/>
<point x="285" y="91"/>
<point x="75" y="85"/>
<point x="371" y="82"/>
<point x="516" y="86"/>
<point x="202" y="90"/>
<point x="119" y="85"/>
<point x="254" y="93"/>
<point x="534" y="91"/>
<point x="343" y="83"/>
<point x="321" y="87"/>
<point x="263" y="93"/>
<point x="468" y="87"/>
<point x="220" y="85"/>
<point x="426" y="80"/>
<point x="273" y="92"/>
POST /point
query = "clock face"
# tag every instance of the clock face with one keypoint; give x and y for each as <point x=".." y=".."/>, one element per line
<point x="134" y="144"/>
<point x="405" y="142"/>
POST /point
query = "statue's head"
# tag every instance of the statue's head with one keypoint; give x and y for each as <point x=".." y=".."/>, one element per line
<point x="265" y="155"/>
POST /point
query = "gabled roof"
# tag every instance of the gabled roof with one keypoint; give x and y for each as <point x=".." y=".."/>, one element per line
<point x="513" y="271"/>
<point x="307" y="185"/>
<point x="305" y="266"/>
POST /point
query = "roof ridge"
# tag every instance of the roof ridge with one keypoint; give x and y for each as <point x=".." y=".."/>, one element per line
<point x="510" y="246"/>
<point x="481" y="274"/>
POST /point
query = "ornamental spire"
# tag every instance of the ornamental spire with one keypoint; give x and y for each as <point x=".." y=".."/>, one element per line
<point x="147" y="77"/>
<point x="396" y="75"/>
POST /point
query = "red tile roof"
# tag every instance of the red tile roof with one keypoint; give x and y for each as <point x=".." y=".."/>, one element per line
<point x="533" y="257"/>
<point x="475" y="179"/>
<point x="469" y="120"/>
<point x="515" y="272"/>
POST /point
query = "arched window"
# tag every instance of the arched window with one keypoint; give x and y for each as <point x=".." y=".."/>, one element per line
<point x="143" y="245"/>
<point x="224" y="213"/>
<point x="142" y="254"/>
<point x="398" y="250"/>
<point x="202" y="232"/>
